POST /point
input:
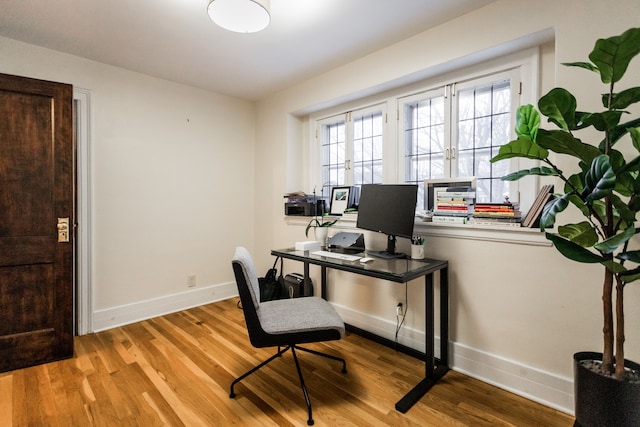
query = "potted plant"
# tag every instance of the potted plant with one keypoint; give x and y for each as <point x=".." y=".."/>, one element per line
<point x="321" y="228"/>
<point x="605" y="190"/>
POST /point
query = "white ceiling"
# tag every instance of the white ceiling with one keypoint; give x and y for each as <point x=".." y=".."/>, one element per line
<point x="175" y="40"/>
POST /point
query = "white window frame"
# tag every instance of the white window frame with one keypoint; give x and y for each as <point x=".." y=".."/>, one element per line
<point x="348" y="118"/>
<point x="524" y="63"/>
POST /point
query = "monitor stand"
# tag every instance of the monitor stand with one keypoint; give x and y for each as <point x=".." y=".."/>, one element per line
<point x="390" y="253"/>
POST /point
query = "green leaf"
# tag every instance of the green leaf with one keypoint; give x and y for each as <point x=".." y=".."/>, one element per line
<point x="623" y="211"/>
<point x="612" y="55"/>
<point x="634" y="203"/>
<point x="313" y="223"/>
<point x="614" y="267"/>
<point x="599" y="180"/>
<point x="542" y="171"/>
<point x="582" y="233"/>
<point x="551" y="209"/>
<point x="620" y="101"/>
<point x="620" y="131"/>
<point x="559" y="105"/>
<point x="632" y="256"/>
<point x="601" y="121"/>
<point x="521" y="147"/>
<point x="631" y="275"/>
<point x="609" y="245"/>
<point x="586" y="65"/>
<point x="527" y="122"/>
<point x="563" y="142"/>
<point x="635" y="137"/>
<point x="574" y="251"/>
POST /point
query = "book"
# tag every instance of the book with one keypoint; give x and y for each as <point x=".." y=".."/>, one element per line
<point x="454" y="202"/>
<point x="446" y="194"/>
<point x="449" y="219"/>
<point x="497" y="223"/>
<point x="534" y="213"/>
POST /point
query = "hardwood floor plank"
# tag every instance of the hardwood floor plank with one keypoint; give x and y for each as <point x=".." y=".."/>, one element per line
<point x="176" y="370"/>
<point x="6" y="399"/>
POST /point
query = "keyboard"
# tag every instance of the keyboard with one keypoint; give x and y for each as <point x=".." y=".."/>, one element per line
<point x="336" y="255"/>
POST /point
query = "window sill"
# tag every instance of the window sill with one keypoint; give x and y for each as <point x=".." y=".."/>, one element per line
<point x="502" y="234"/>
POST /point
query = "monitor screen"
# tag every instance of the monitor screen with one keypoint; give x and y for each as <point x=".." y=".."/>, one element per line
<point x="388" y="209"/>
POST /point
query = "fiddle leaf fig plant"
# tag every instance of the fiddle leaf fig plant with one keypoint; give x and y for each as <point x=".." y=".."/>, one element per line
<point x="605" y="185"/>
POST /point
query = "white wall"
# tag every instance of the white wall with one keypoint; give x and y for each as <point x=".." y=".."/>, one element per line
<point x="170" y="165"/>
<point x="518" y="311"/>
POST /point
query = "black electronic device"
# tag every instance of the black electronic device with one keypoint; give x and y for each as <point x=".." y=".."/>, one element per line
<point x="305" y="208"/>
<point x="345" y="242"/>
<point x="388" y="209"/>
<point x="295" y="286"/>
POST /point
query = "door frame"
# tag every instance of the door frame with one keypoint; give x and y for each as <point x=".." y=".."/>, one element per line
<point x="83" y="295"/>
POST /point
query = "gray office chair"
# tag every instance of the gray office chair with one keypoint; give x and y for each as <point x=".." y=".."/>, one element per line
<point x="283" y="323"/>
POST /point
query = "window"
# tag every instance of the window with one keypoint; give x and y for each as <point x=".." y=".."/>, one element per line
<point x="450" y="127"/>
<point x="424" y="139"/>
<point x="455" y="130"/>
<point x="483" y="123"/>
<point x="351" y="148"/>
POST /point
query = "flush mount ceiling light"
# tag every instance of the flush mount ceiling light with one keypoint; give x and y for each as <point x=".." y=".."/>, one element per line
<point x="241" y="16"/>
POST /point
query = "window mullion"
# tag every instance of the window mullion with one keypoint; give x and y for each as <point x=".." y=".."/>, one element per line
<point x="451" y="117"/>
<point x="348" y="155"/>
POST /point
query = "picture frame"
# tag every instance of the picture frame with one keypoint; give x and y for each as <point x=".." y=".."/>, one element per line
<point x="340" y="197"/>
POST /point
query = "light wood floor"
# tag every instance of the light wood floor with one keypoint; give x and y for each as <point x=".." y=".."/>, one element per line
<point x="176" y="370"/>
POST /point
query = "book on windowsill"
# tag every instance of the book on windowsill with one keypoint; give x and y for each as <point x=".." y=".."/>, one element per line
<point x="493" y="222"/>
<point x="449" y="219"/>
<point x="532" y="218"/>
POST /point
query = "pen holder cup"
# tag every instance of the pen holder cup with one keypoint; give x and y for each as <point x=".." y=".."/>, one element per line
<point x="417" y="251"/>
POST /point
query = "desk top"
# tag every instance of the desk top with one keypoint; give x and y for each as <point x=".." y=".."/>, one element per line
<point x="395" y="270"/>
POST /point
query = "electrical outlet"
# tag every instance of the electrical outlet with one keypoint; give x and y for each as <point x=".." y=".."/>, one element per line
<point x="191" y="281"/>
<point x="399" y="309"/>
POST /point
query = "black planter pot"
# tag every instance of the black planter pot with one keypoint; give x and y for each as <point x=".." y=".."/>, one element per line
<point x="603" y="401"/>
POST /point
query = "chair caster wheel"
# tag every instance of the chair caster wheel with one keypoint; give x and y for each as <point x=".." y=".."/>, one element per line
<point x="309" y="422"/>
<point x="232" y="395"/>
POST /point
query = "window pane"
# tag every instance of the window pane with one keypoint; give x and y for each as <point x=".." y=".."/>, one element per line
<point x="424" y="141"/>
<point x="483" y="126"/>
<point x="367" y="144"/>
<point x="333" y="155"/>
<point x="465" y="163"/>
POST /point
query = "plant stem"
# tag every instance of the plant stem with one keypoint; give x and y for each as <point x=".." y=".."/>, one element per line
<point x="607" y="329"/>
<point x="620" y="372"/>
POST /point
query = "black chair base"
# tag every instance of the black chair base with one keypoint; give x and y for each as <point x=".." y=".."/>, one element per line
<point x="295" y="358"/>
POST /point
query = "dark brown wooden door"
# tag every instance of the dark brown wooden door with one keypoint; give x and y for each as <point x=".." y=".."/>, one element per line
<point x="36" y="188"/>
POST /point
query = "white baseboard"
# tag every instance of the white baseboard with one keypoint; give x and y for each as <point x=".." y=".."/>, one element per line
<point x="526" y="381"/>
<point x="142" y="310"/>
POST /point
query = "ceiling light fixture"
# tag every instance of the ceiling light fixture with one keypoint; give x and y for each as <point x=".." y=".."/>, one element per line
<point x="241" y="16"/>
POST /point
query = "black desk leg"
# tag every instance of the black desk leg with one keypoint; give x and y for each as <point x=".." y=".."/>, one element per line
<point x="307" y="279"/>
<point x="444" y="317"/>
<point x="323" y="282"/>
<point x="432" y="375"/>
<point x="323" y="279"/>
<point x="429" y="327"/>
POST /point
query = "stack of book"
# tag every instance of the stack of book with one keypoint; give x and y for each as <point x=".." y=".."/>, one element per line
<point x="532" y="218"/>
<point x="506" y="213"/>
<point x="453" y="204"/>
<point x="296" y="197"/>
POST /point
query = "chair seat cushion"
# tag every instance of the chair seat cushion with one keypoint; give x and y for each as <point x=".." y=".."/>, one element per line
<point x="297" y="315"/>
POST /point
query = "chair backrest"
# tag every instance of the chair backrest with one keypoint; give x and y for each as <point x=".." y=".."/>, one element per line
<point x="249" y="291"/>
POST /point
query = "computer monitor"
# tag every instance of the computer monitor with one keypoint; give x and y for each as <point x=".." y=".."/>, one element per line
<point x="388" y="209"/>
